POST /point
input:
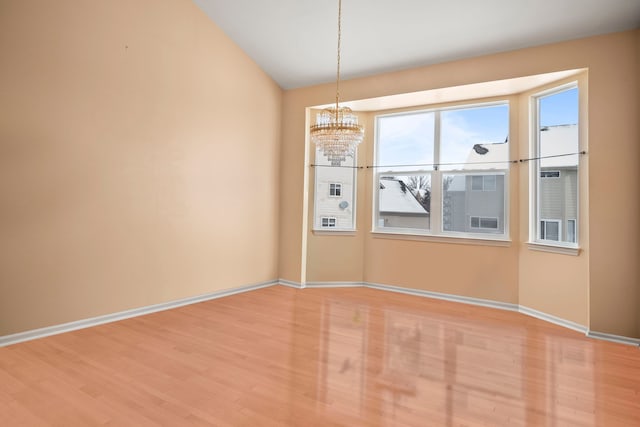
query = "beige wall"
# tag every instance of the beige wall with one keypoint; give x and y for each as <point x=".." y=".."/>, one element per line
<point x="600" y="287"/>
<point x="121" y="128"/>
<point x="129" y="173"/>
<point x="549" y="282"/>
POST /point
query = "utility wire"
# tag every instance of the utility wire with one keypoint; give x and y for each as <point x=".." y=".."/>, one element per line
<point x="437" y="165"/>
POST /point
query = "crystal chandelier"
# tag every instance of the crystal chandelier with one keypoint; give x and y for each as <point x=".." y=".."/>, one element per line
<point x="337" y="132"/>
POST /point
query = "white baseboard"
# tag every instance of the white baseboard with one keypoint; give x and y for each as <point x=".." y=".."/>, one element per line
<point x="614" y="338"/>
<point x="478" y="301"/>
<point x="291" y="284"/>
<point x="94" y="321"/>
<point x="553" y="319"/>
<point x="334" y="284"/>
<point x="442" y="296"/>
<point x="113" y="317"/>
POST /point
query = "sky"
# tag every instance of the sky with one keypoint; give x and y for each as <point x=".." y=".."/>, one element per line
<point x="560" y="108"/>
<point x="408" y="139"/>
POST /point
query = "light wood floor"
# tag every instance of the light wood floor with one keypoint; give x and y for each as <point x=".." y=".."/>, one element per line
<point x="321" y="357"/>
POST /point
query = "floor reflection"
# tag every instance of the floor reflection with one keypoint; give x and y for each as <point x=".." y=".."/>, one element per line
<point x="392" y="366"/>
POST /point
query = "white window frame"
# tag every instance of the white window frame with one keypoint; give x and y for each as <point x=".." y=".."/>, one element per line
<point x="329" y="220"/>
<point x="436" y="214"/>
<point x="336" y="188"/>
<point x="535" y="240"/>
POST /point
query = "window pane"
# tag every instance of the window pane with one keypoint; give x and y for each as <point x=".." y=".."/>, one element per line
<point x="558" y="172"/>
<point x="405" y="140"/>
<point x="464" y="210"/>
<point x="334" y="193"/>
<point x="404" y="202"/>
<point x="475" y="138"/>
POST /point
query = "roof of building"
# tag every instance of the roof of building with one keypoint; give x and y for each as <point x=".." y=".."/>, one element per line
<point x="395" y="197"/>
<point x="555" y="141"/>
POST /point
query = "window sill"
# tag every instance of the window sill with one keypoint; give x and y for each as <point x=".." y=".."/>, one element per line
<point x="335" y="232"/>
<point x="458" y="240"/>
<point x="556" y="249"/>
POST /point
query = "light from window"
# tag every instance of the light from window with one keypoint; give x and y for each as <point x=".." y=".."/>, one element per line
<point x="455" y="160"/>
<point x="556" y="171"/>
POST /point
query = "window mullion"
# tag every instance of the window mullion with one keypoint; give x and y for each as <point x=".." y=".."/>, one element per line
<point x="436" y="179"/>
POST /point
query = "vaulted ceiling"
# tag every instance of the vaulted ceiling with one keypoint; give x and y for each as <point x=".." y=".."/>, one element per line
<point x="294" y="41"/>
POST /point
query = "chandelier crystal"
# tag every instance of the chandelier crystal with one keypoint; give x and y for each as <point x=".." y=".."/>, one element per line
<point x="337" y="132"/>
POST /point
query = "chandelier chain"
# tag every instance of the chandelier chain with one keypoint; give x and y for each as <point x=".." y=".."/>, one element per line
<point x="338" y="56"/>
<point x="337" y="132"/>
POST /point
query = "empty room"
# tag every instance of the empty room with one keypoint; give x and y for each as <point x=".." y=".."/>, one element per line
<point x="337" y="213"/>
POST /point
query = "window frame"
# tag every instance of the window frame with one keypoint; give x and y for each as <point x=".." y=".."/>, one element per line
<point x="436" y="229"/>
<point x="536" y="242"/>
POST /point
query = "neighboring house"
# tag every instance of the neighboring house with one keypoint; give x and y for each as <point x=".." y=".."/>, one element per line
<point x="398" y="207"/>
<point x="334" y="195"/>
<point x="475" y="203"/>
<point x="558" y="203"/>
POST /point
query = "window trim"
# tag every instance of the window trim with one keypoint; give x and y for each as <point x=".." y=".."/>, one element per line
<point x="535" y="242"/>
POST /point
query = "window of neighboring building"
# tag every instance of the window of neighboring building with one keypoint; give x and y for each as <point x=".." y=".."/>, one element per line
<point x="484" y="222"/>
<point x="483" y="183"/>
<point x="334" y="197"/>
<point x="571" y="230"/>
<point x="436" y="169"/>
<point x="328" y="222"/>
<point x="335" y="190"/>
<point x="549" y="174"/>
<point x="555" y="171"/>
<point x="550" y="229"/>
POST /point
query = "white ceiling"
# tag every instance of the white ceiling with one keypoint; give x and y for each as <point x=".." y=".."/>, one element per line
<point x="294" y="41"/>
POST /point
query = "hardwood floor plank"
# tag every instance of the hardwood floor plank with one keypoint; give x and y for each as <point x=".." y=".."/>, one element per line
<point x="321" y="357"/>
